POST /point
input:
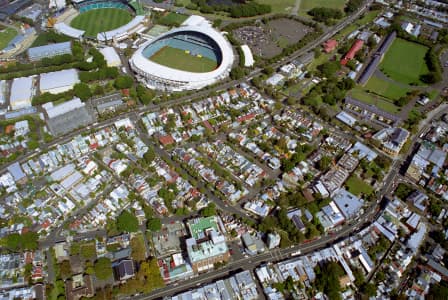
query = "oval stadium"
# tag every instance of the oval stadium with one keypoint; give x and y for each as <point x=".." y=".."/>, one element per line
<point x="102" y="20"/>
<point x="186" y="58"/>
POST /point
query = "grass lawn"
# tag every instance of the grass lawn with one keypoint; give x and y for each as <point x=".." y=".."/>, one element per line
<point x="279" y="6"/>
<point x="178" y="59"/>
<point x="385" y="89"/>
<point x="173" y="19"/>
<point x="382" y="103"/>
<point x="306" y="5"/>
<point x="6" y="35"/>
<point x="358" y="186"/>
<point x="100" y="20"/>
<point x="49" y="37"/>
<point x="368" y="18"/>
<point x="404" y="62"/>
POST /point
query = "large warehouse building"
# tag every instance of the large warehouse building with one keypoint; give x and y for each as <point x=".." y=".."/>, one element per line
<point x="202" y="54"/>
<point x="22" y="92"/>
<point x="68" y="116"/>
<point x="59" y="81"/>
<point x="47" y="51"/>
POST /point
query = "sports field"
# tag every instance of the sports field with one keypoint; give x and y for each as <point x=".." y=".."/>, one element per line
<point x="101" y="20"/>
<point x="178" y="59"/>
<point x="380" y="102"/>
<point x="6" y="35"/>
<point x="405" y="62"/>
<point x="385" y="89"/>
<point x="306" y="5"/>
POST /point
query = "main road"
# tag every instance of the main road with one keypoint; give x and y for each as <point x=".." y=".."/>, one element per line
<point x="203" y="93"/>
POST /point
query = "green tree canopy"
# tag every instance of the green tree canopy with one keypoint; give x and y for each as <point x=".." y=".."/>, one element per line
<point x="127" y="222"/>
<point x="103" y="268"/>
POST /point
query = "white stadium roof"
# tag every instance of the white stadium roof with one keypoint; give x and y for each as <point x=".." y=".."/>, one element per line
<point x="58" y="79"/>
<point x="68" y="30"/>
<point x="108" y="35"/>
<point x="197" y="80"/>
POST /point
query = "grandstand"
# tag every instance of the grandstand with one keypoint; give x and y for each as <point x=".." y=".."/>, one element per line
<point x="101" y="5"/>
<point x="104" y="20"/>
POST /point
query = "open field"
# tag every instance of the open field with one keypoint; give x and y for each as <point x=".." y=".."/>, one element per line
<point x="306" y="5"/>
<point x="279" y="6"/>
<point x="178" y="59"/>
<point x="173" y="19"/>
<point x="405" y="62"/>
<point x="100" y="20"/>
<point x="380" y="102"/>
<point x="6" y="35"/>
<point x="357" y="186"/>
<point x="386" y="89"/>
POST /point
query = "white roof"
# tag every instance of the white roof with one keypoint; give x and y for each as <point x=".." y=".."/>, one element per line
<point x="53" y="111"/>
<point x="58" y="79"/>
<point x="110" y="55"/>
<point x="346" y="118"/>
<point x="68" y="30"/>
<point x="108" y="35"/>
<point x="248" y="57"/>
<point x="21" y="89"/>
<point x="150" y="67"/>
<point x="196" y="20"/>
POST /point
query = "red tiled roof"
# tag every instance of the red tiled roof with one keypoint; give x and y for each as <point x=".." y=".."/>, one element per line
<point x="166" y="140"/>
<point x="352" y="52"/>
<point x="330" y="45"/>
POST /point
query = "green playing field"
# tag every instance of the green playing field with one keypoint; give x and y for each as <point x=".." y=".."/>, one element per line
<point x="179" y="59"/>
<point x="101" y="20"/>
<point x="405" y="62"/>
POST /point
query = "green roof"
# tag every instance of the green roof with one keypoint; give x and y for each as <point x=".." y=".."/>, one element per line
<point x="198" y="226"/>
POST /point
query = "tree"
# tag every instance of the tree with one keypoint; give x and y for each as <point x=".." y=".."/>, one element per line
<point x="369" y="289"/>
<point x="103" y="268"/>
<point x="209" y="211"/>
<point x="13" y="241"/>
<point x="65" y="269"/>
<point x="154" y="224"/>
<point x="149" y="155"/>
<point x="327" y="279"/>
<point x="324" y="163"/>
<point x="82" y="91"/>
<point x="127" y="222"/>
<point x="138" y="248"/>
<point x="123" y="82"/>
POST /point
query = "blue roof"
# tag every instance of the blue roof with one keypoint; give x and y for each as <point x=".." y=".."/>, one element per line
<point x="52" y="48"/>
<point x="16" y="171"/>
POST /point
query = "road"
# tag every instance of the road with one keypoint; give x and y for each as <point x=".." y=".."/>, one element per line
<point x="203" y="93"/>
<point x="275" y="255"/>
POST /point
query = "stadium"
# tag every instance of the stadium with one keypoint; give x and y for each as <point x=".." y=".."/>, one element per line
<point x="186" y="58"/>
<point x="103" y="20"/>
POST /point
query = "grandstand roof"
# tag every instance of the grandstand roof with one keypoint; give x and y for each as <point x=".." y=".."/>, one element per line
<point x="150" y="67"/>
<point x="109" y="35"/>
<point x="68" y="30"/>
